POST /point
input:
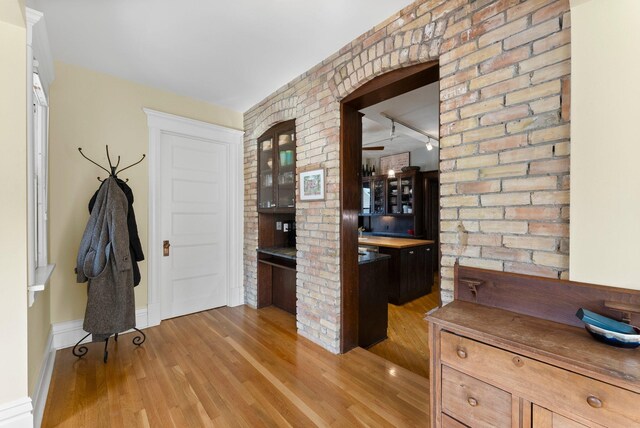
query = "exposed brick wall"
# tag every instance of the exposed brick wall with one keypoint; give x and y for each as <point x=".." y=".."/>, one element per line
<point x="504" y="112"/>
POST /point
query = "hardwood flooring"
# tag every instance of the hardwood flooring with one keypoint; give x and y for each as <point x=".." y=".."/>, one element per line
<point x="232" y="367"/>
<point x="407" y="344"/>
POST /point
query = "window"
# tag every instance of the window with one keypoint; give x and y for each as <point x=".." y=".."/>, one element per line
<point x="39" y="77"/>
<point x="40" y="177"/>
<point x="39" y="268"/>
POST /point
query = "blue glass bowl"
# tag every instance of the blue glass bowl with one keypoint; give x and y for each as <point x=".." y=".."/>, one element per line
<point x="613" y="338"/>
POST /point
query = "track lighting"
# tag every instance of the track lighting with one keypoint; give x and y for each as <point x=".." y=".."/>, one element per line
<point x="406" y="125"/>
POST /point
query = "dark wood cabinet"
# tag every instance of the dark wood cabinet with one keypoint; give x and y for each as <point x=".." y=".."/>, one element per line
<point x="410" y="272"/>
<point x="399" y="197"/>
<point x="373" y="195"/>
<point x="277" y="169"/>
<point x="372" y="296"/>
<point x="277" y="279"/>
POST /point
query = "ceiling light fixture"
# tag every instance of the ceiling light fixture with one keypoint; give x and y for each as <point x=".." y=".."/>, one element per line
<point x="429" y="145"/>
<point x="391" y="173"/>
<point x="392" y="135"/>
<point x="406" y="125"/>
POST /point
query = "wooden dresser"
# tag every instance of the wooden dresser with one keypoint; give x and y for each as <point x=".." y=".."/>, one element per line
<point x="509" y="352"/>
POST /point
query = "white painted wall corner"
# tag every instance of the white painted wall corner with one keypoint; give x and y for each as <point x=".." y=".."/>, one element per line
<point x="44" y="380"/>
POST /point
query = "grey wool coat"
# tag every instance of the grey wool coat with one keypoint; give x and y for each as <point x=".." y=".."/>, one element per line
<point x="104" y="261"/>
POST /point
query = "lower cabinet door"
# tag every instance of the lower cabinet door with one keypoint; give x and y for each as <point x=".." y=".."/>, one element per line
<point x="473" y="402"/>
<point x="544" y="418"/>
<point x="284" y="289"/>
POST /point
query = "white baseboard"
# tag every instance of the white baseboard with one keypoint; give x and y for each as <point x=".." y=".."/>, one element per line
<point x="67" y="334"/>
<point x="16" y="414"/>
<point x="44" y="380"/>
<point x="237" y="296"/>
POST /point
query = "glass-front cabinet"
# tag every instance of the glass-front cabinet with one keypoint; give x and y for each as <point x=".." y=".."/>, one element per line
<point x="373" y="190"/>
<point x="378" y="195"/>
<point x="277" y="169"/>
<point x="393" y="206"/>
<point x="366" y="197"/>
<point x="286" y="169"/>
<point x="406" y="194"/>
<point x="265" y="179"/>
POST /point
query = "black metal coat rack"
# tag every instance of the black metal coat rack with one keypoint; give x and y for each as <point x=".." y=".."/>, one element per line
<point x="80" y="350"/>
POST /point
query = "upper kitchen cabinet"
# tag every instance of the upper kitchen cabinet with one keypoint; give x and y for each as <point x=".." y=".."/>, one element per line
<point x="277" y="169"/>
<point x="373" y="195"/>
<point x="404" y="193"/>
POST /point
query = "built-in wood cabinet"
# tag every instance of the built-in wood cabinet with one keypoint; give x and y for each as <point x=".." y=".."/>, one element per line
<point x="373" y="195"/>
<point x="400" y="198"/>
<point x="372" y="300"/>
<point x="277" y="169"/>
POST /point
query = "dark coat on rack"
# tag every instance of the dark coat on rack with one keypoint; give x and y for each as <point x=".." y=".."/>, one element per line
<point x="105" y="261"/>
<point x="135" y="247"/>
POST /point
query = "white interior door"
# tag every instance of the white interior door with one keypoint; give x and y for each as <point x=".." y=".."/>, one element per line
<point x="194" y="181"/>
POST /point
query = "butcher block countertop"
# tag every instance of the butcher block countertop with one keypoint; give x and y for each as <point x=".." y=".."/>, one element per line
<point x="382" y="241"/>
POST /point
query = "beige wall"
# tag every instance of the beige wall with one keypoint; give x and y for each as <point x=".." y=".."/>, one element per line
<point x="39" y="322"/>
<point x="90" y="110"/>
<point x="13" y="224"/>
<point x="605" y="176"/>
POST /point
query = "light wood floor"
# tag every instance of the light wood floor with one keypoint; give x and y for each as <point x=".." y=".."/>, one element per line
<point x="407" y="344"/>
<point x="232" y="367"/>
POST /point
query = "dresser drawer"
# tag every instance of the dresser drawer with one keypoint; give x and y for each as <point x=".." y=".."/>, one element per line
<point x="474" y="402"/>
<point x="557" y="389"/>
<point x="449" y="422"/>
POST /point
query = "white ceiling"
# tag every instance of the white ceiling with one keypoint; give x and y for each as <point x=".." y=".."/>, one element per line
<point x="418" y="109"/>
<point x="232" y="53"/>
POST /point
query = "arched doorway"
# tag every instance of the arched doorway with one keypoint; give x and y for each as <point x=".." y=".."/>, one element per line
<point x="382" y="88"/>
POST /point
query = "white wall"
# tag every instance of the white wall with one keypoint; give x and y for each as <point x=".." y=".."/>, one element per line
<point x="605" y="142"/>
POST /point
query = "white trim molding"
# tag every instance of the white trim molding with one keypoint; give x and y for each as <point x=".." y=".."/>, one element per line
<point x="44" y="380"/>
<point x="159" y="123"/>
<point x="16" y="414"/>
<point x="67" y="333"/>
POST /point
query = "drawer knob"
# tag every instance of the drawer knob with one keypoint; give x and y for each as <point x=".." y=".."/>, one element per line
<point x="472" y="401"/>
<point x="594" y="402"/>
<point x="517" y="361"/>
<point x="462" y="353"/>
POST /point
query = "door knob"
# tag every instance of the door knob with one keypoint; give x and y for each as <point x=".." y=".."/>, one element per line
<point x="165" y="248"/>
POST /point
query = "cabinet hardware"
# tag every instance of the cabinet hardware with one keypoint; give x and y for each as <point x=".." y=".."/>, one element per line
<point x="462" y="353"/>
<point x="410" y="252"/>
<point x="518" y="361"/>
<point x="472" y="401"/>
<point x="594" y="402"/>
<point x="165" y="248"/>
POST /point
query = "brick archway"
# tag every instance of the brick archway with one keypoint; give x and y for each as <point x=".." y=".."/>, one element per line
<point x="504" y="113"/>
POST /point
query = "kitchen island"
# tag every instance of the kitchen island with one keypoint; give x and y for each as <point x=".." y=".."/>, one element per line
<point x="410" y="266"/>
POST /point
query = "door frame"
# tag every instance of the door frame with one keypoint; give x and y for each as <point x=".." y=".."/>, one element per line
<point x="381" y="88"/>
<point x="160" y="123"/>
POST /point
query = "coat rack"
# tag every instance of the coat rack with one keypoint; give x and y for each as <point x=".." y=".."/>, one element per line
<point x="80" y="350"/>
<point x="113" y="172"/>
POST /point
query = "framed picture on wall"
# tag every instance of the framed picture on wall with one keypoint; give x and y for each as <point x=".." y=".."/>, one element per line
<point x="395" y="162"/>
<point x="312" y="185"/>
